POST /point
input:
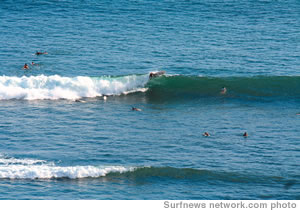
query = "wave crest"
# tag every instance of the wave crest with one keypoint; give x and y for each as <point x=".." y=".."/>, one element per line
<point x="13" y="168"/>
<point x="57" y="87"/>
<point x="50" y="172"/>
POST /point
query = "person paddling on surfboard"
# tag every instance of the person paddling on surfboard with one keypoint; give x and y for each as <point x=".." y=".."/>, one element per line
<point x="206" y="134"/>
<point x="245" y="134"/>
<point x="34" y="64"/>
<point x="136" y="109"/>
<point x="41" y="53"/>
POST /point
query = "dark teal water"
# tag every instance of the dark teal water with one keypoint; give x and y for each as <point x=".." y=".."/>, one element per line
<point x="66" y="126"/>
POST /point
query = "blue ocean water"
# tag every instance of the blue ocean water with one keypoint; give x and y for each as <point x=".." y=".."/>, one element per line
<point x="67" y="130"/>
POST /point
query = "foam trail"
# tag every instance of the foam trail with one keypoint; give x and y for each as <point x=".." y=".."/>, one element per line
<point x="48" y="172"/>
<point x="13" y="168"/>
<point x="57" y="87"/>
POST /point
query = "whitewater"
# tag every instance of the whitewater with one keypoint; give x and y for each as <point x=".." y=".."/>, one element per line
<point x="67" y="127"/>
<point x="58" y="87"/>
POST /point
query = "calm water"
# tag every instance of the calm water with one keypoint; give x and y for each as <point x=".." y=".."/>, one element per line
<point x="66" y="126"/>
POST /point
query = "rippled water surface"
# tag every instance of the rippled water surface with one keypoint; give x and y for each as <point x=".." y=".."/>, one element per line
<point x="67" y="130"/>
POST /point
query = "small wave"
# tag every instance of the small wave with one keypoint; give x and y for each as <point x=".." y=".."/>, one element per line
<point x="13" y="168"/>
<point x="57" y="87"/>
<point x="201" y="175"/>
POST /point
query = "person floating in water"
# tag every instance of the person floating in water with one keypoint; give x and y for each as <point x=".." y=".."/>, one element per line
<point x="223" y="90"/>
<point x="34" y="64"/>
<point x="136" y="109"/>
<point x="41" y="53"/>
<point x="245" y="134"/>
<point x="25" y="66"/>
<point x="206" y="134"/>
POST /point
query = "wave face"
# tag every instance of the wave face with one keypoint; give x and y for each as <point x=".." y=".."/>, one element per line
<point x="240" y="87"/>
<point x="57" y="87"/>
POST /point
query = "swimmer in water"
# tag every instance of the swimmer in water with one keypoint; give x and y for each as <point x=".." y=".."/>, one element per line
<point x="206" y="134"/>
<point x="223" y="90"/>
<point x="245" y="134"/>
<point x="25" y="66"/>
<point x="136" y="109"/>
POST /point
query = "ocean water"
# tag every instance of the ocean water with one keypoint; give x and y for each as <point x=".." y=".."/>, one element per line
<point x="67" y="130"/>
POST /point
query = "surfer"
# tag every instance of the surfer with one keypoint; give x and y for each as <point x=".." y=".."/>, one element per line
<point x="25" y="66"/>
<point x="156" y="74"/>
<point x="41" y="53"/>
<point x="223" y="90"/>
<point x="80" y="101"/>
<point x="136" y="109"/>
<point x="150" y="75"/>
<point x="34" y="64"/>
<point x="206" y="134"/>
<point x="245" y="134"/>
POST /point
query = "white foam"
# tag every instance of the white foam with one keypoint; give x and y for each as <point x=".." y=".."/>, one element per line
<point x="48" y="172"/>
<point x="13" y="168"/>
<point x="72" y="88"/>
<point x="137" y="90"/>
<point x="25" y="161"/>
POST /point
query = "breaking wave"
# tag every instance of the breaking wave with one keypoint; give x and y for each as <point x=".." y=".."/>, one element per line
<point x="12" y="168"/>
<point x="164" y="87"/>
<point x="50" y="172"/>
<point x="58" y="87"/>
